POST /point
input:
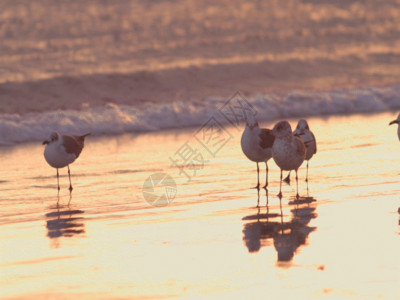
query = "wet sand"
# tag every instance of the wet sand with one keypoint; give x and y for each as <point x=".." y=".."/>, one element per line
<point x="218" y="238"/>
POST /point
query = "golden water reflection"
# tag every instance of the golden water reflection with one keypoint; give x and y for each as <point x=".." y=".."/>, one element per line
<point x="211" y="240"/>
<point x="64" y="222"/>
<point x="265" y="229"/>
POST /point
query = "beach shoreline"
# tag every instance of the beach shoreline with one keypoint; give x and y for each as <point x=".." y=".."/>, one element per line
<point x="212" y="240"/>
<point x="163" y="204"/>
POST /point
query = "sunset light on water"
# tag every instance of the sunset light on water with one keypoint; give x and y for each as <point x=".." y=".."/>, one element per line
<point x="339" y="240"/>
<point x="160" y="202"/>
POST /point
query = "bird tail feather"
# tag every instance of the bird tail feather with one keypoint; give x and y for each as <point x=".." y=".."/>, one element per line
<point x="82" y="137"/>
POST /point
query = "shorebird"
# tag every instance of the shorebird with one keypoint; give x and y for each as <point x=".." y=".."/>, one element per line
<point x="303" y="131"/>
<point x="63" y="150"/>
<point x="288" y="151"/>
<point x="257" y="144"/>
<point x="397" y="121"/>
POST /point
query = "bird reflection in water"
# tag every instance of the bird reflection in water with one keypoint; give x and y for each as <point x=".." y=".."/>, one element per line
<point x="293" y="234"/>
<point x="267" y="229"/>
<point x="62" y="221"/>
<point x="259" y="232"/>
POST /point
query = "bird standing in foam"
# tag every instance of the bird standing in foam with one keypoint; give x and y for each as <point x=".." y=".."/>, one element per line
<point x="63" y="150"/>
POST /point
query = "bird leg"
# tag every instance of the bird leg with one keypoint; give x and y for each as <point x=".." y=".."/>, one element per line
<point x="69" y="175"/>
<point x="307" y="172"/>
<point x="58" y="181"/>
<point x="258" y="178"/>
<point x="70" y="198"/>
<point x="287" y="179"/>
<point x="297" y="186"/>
<point x="280" y="187"/>
<point x="266" y="179"/>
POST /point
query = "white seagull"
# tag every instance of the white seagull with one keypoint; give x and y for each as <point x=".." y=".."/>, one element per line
<point x="288" y="151"/>
<point x="397" y="121"/>
<point x="303" y="131"/>
<point x="62" y="150"/>
<point x="257" y="144"/>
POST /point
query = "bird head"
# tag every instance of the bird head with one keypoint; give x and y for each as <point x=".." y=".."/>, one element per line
<point x="282" y="129"/>
<point x="301" y="128"/>
<point x="53" y="137"/>
<point x="252" y="125"/>
<point x="251" y="122"/>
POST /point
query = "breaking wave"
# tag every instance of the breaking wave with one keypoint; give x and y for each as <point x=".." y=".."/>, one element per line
<point x="115" y="119"/>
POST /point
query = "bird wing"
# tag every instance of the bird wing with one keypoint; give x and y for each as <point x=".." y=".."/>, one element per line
<point x="266" y="138"/>
<point x="81" y="137"/>
<point x="310" y="142"/>
<point x="300" y="147"/>
<point x="72" y="144"/>
<point x="315" y="141"/>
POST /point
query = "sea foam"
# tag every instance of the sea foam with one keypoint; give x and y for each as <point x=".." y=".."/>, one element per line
<point x="115" y="119"/>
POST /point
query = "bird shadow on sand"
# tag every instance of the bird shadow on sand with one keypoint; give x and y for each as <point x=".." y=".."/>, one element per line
<point x="64" y="222"/>
<point x="287" y="233"/>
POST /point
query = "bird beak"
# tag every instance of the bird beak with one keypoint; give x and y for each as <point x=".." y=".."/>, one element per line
<point x="394" y="122"/>
<point x="45" y="142"/>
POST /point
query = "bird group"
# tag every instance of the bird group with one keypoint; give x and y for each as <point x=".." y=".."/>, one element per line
<point x="288" y="149"/>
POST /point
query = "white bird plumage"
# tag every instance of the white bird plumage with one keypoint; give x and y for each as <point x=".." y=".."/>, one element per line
<point x="288" y="151"/>
<point x="257" y="144"/>
<point x="307" y="136"/>
<point x="62" y="150"/>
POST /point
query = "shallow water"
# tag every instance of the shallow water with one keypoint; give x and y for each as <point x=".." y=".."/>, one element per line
<point x="341" y="240"/>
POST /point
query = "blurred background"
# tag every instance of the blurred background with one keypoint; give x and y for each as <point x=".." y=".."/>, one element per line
<point x="76" y="54"/>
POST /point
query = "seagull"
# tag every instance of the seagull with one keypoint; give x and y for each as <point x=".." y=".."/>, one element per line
<point x="303" y="131"/>
<point x="397" y="121"/>
<point x="288" y="151"/>
<point x="257" y="144"/>
<point x="62" y="150"/>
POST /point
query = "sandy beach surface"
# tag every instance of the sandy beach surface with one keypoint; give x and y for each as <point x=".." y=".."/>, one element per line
<point x="218" y="238"/>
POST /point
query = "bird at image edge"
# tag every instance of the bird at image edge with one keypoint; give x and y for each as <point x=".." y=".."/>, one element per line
<point x="397" y="121"/>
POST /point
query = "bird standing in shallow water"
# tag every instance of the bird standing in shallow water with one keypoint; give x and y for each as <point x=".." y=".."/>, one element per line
<point x="257" y="144"/>
<point x="303" y="131"/>
<point x="288" y="151"/>
<point x="397" y="121"/>
<point x="62" y="150"/>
